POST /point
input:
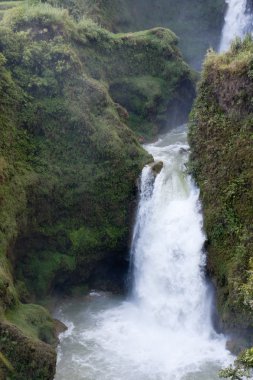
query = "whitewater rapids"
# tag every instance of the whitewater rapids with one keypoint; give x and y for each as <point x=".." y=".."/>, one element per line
<point x="163" y="331"/>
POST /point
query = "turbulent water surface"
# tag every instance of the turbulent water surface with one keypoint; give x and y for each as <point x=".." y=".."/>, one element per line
<point x="163" y="331"/>
<point x="238" y="22"/>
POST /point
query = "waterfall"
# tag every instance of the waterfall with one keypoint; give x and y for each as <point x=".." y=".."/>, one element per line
<point x="163" y="331"/>
<point x="168" y="253"/>
<point x="238" y="22"/>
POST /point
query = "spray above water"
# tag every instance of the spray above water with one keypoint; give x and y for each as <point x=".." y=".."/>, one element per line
<point x="238" y="22"/>
<point x="164" y="330"/>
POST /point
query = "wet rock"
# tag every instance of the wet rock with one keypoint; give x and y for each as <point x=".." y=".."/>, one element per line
<point x="25" y="358"/>
<point x="183" y="150"/>
<point x="59" y="328"/>
<point x="156" y="167"/>
<point x="235" y="346"/>
<point x="122" y="112"/>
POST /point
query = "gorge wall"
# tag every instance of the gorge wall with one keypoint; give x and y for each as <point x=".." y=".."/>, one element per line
<point x="221" y="140"/>
<point x="197" y="23"/>
<point x="69" y="162"/>
<point x="76" y="101"/>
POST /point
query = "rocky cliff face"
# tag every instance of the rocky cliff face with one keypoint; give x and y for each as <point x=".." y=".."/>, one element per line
<point x="222" y="151"/>
<point x="197" y="23"/>
<point x="69" y="161"/>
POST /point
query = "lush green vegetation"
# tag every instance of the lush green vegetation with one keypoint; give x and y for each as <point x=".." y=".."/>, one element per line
<point x="242" y="368"/>
<point x="69" y="161"/>
<point x="221" y="139"/>
<point x="72" y="93"/>
<point x="23" y="358"/>
<point x="197" y="23"/>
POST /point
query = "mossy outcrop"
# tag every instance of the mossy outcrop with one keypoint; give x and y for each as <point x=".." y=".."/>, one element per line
<point x="69" y="161"/>
<point x="197" y="23"/>
<point x="23" y="358"/>
<point x="221" y="160"/>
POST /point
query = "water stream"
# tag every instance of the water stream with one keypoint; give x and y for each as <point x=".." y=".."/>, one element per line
<point x="238" y="22"/>
<point x="163" y="330"/>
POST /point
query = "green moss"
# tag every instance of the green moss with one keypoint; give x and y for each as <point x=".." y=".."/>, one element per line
<point x="198" y="24"/>
<point x="221" y="140"/>
<point x="152" y="90"/>
<point x="141" y="96"/>
<point x="69" y="161"/>
<point x="36" y="360"/>
<point x="42" y="267"/>
<point x="242" y="367"/>
<point x="78" y="123"/>
<point x="34" y="321"/>
<point x="63" y="140"/>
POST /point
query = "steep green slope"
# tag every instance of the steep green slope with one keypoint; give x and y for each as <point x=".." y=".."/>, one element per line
<point x="5" y="5"/>
<point x="222" y="154"/>
<point x="15" y="175"/>
<point x="197" y="23"/>
<point x="69" y="163"/>
<point x="163" y="96"/>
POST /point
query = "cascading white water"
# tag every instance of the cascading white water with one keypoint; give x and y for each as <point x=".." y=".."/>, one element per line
<point x="238" y="22"/>
<point x="168" y="256"/>
<point x="164" y="330"/>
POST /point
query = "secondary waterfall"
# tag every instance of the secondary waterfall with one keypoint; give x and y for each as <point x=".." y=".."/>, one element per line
<point x="238" y="22"/>
<point x="163" y="331"/>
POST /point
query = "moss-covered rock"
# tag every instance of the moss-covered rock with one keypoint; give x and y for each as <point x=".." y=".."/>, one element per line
<point x="64" y="152"/>
<point x="197" y="23"/>
<point x="156" y="167"/>
<point x="69" y="161"/>
<point x="22" y="358"/>
<point x="221" y="160"/>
